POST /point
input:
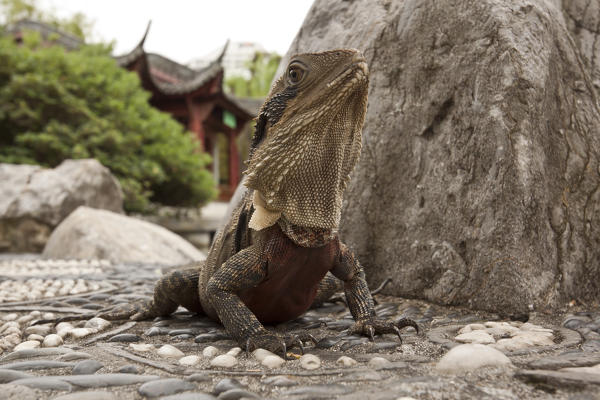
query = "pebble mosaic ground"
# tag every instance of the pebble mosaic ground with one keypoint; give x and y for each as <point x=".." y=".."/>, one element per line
<point x="460" y="354"/>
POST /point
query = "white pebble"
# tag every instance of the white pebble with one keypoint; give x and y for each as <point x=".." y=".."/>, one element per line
<point x="169" y="351"/>
<point x="223" y="361"/>
<point x="52" y="340"/>
<point x="38" y="330"/>
<point x="235" y="351"/>
<point x="35" y="314"/>
<point x="98" y="324"/>
<point x="63" y="329"/>
<point x="24" y="319"/>
<point x="466" y="357"/>
<point x="379" y="363"/>
<point x="48" y="315"/>
<point x="345" y="361"/>
<point x="12" y="330"/>
<point x="10" y="317"/>
<point x="189" y="360"/>
<point x="9" y="324"/>
<point x="273" y="361"/>
<point x="78" y="333"/>
<point x="310" y="361"/>
<point x="210" y="352"/>
<point x="33" y="336"/>
<point x="141" y="347"/>
<point x="30" y="344"/>
<point x="475" y="337"/>
<point x="260" y="354"/>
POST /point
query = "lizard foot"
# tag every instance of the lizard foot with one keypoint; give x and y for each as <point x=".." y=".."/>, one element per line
<point x="275" y="343"/>
<point x="371" y="326"/>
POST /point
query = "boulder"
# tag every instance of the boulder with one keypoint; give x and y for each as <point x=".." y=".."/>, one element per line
<point x="479" y="178"/>
<point x="583" y="20"/>
<point x="91" y="233"/>
<point x="33" y="200"/>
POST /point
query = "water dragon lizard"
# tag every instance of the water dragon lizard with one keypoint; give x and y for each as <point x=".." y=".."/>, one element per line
<point x="280" y="252"/>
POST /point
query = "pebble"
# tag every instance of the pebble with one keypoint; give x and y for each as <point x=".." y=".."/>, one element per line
<point x="169" y="351"/>
<point x="199" y="377"/>
<point x="155" y="331"/>
<point x="87" y="396"/>
<point x="223" y="361"/>
<point x="310" y="361"/>
<point x="125" y="338"/>
<point x="86" y="367"/>
<point x="16" y="355"/>
<point x="63" y="329"/>
<point x="236" y="394"/>
<point x="273" y="361"/>
<point x="8" y="375"/>
<point x="260" y="354"/>
<point x="42" y="330"/>
<point x="189" y="360"/>
<point x="478" y="336"/>
<point x="33" y="336"/>
<point x="177" y="332"/>
<point x="76" y="355"/>
<point x="78" y="333"/>
<point x="279" y="381"/>
<point x="345" y="361"/>
<point x="227" y="384"/>
<point x="235" y="351"/>
<point x="165" y="387"/>
<point x="44" y="383"/>
<point x="29" y="344"/>
<point x="210" y="352"/>
<point x="363" y="376"/>
<point x="142" y="347"/>
<point x="189" y="396"/>
<point x="128" y="369"/>
<point x="10" y="317"/>
<point x="99" y="324"/>
<point x="211" y="337"/>
<point x="105" y="380"/>
<point x="37" y="364"/>
<point x="379" y="363"/>
<point x="52" y="340"/>
<point x="468" y="357"/>
<point x="318" y="391"/>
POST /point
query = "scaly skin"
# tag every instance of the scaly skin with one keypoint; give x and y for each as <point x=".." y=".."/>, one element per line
<point x="280" y="254"/>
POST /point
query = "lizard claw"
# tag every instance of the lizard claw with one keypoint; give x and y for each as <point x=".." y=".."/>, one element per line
<point x="398" y="333"/>
<point x="371" y="332"/>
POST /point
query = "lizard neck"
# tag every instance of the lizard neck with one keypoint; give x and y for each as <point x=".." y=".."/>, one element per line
<point x="305" y="236"/>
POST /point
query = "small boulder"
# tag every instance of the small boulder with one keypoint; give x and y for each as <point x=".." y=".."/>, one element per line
<point x="33" y="200"/>
<point x="90" y="233"/>
<point x="468" y="357"/>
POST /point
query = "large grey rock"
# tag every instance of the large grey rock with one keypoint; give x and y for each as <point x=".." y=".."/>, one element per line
<point x="478" y="182"/>
<point x="583" y="21"/>
<point x="92" y="233"/>
<point x="33" y="200"/>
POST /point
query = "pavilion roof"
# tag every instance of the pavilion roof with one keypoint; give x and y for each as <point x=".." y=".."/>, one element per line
<point x="167" y="76"/>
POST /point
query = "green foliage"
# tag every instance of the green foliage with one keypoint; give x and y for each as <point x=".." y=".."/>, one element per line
<point x="262" y="70"/>
<point x="56" y="105"/>
<point x="15" y="10"/>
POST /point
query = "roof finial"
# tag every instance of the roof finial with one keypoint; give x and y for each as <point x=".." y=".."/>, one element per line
<point x="220" y="57"/>
<point x="145" y="34"/>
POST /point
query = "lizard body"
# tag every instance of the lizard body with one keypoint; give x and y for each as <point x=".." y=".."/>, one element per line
<point x="280" y="252"/>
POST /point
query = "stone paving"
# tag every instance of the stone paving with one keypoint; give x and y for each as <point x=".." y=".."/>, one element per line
<point x="460" y="354"/>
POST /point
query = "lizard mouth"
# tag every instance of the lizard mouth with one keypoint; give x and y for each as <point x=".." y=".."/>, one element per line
<point x="358" y="71"/>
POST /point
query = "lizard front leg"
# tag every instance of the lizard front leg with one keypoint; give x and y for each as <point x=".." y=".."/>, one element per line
<point x="243" y="270"/>
<point x="360" y="300"/>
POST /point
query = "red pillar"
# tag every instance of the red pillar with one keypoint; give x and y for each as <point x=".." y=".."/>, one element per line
<point x="234" y="160"/>
<point x="198" y="113"/>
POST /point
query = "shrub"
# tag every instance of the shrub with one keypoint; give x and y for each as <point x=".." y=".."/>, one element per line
<point x="56" y="105"/>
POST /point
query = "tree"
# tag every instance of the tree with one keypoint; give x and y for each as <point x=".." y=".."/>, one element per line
<point x="56" y="105"/>
<point x="15" y="10"/>
<point x="262" y="70"/>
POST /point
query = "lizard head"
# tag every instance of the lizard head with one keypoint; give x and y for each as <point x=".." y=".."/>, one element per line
<point x="308" y="139"/>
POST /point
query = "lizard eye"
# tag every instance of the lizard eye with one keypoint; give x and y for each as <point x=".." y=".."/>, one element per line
<point x="295" y="74"/>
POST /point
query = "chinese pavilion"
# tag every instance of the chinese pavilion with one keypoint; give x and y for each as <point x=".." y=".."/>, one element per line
<point x="194" y="97"/>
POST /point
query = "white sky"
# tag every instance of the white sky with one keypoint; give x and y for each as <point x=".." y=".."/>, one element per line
<point x="184" y="30"/>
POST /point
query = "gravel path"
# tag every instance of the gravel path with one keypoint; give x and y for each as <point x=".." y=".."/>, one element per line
<point x="460" y="354"/>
